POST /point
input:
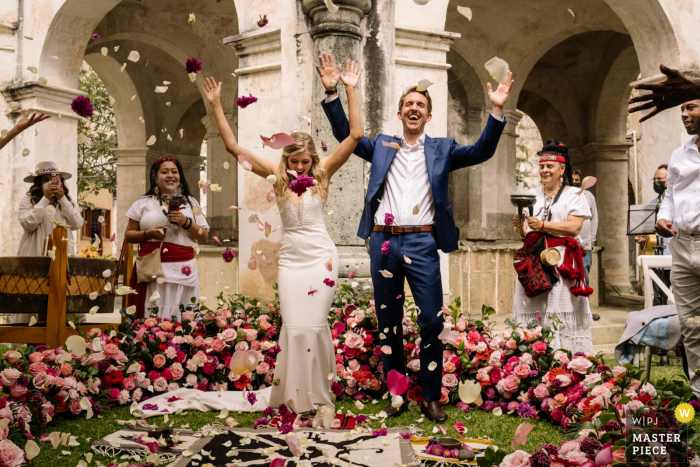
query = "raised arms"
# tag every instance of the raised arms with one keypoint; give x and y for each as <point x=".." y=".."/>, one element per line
<point x="261" y="166"/>
<point x="342" y="153"/>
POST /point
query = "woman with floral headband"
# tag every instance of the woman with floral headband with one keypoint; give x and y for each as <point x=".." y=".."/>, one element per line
<point x="545" y="293"/>
<point x="308" y="258"/>
<point x="152" y="221"/>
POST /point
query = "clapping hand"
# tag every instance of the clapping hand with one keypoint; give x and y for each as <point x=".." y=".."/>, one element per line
<point x="212" y="90"/>
<point x="500" y="95"/>
<point x="329" y="73"/>
<point x="351" y="77"/>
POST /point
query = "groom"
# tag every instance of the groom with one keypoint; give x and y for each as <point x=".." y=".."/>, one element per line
<point x="408" y="215"/>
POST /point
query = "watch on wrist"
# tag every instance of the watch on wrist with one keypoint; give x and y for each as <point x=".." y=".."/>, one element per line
<point x="331" y="92"/>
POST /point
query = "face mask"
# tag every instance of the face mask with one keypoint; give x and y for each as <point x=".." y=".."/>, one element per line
<point x="659" y="187"/>
<point x="577" y="185"/>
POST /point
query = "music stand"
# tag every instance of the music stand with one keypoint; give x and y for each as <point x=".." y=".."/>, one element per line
<point x="641" y="219"/>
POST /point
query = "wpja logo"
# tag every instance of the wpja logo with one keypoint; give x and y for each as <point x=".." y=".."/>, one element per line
<point x="657" y="436"/>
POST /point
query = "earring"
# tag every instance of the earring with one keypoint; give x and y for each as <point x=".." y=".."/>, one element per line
<point x="157" y="191"/>
<point x="561" y="179"/>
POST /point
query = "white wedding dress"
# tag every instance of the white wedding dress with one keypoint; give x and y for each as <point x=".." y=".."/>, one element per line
<point x="307" y="357"/>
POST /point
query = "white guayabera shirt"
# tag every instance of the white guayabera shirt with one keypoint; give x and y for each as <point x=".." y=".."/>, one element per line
<point x="37" y="225"/>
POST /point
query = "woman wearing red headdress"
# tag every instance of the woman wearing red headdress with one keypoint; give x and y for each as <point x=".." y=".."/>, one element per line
<point x="177" y="227"/>
<point x="544" y="294"/>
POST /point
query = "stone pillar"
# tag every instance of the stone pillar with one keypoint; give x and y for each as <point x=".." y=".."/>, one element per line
<point x="53" y="139"/>
<point x="610" y="161"/>
<point x="132" y="183"/>
<point x="340" y="34"/>
<point x="223" y="222"/>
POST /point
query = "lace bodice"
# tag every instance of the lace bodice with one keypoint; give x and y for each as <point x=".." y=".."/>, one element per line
<point x="305" y="210"/>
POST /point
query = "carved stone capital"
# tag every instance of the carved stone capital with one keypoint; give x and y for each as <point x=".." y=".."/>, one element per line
<point x="344" y="22"/>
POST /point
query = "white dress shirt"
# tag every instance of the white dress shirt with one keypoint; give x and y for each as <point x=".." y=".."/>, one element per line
<point x="407" y="194"/>
<point x="589" y="229"/>
<point x="681" y="204"/>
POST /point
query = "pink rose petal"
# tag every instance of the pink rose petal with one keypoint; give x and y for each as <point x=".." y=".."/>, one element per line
<point x="292" y="173"/>
<point x="278" y="140"/>
<point x="264" y="257"/>
<point x="278" y="462"/>
<point x="252" y="263"/>
<point x="397" y="383"/>
<point x="329" y="265"/>
<point x="268" y="229"/>
<point x="294" y="444"/>
<point x="216" y="239"/>
<point x="245" y="163"/>
<point x="391" y="145"/>
<point x="235" y="207"/>
<point x="113" y="237"/>
<point x="271" y="195"/>
<point x="386" y="350"/>
<point x="339" y="327"/>
<point x="261" y="226"/>
<point x="520" y="436"/>
<point x="443" y="430"/>
<point x="572" y="13"/>
<point x="604" y="457"/>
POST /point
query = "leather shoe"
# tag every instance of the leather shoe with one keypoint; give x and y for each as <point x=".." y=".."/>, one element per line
<point x="392" y="411"/>
<point x="434" y="412"/>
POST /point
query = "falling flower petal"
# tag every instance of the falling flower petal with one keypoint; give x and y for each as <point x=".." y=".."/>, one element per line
<point x="226" y="165"/>
<point x="50" y="210"/>
<point x="432" y="366"/>
<point x="268" y="229"/>
<point x="466" y="12"/>
<point x="25" y="152"/>
<point x="468" y="391"/>
<point x="397" y="383"/>
<point x="161" y="89"/>
<point x="113" y="237"/>
<point x="106" y="273"/>
<point x="329" y="265"/>
<point x="125" y="290"/>
<point x="521" y="433"/>
<point x="52" y="255"/>
<point x="151" y="141"/>
<point x="216" y="239"/>
<point x="197" y="210"/>
<point x="245" y="101"/>
<point x="604" y="457"/>
<point x="312" y="292"/>
<point x="252" y="263"/>
<point x="134" y="56"/>
<point x="386" y="350"/>
<point x="82" y="139"/>
<point x="391" y="145"/>
<point x="192" y="19"/>
<point x="279" y="462"/>
<point x="123" y="68"/>
<point x="572" y="13"/>
<point x="154" y="296"/>
<point x="264" y="257"/>
<point x="94" y="310"/>
<point x="386" y="274"/>
<point x="498" y="69"/>
<point x="93" y="295"/>
<point x="235" y="207"/>
<point x="421" y="2"/>
<point x="243" y="361"/>
<point x="245" y="163"/>
<point x="32" y="321"/>
<point x="104" y="51"/>
<point x="278" y="140"/>
<point x="423" y="85"/>
<point x="33" y="69"/>
<point x="76" y="345"/>
<point x="587" y="183"/>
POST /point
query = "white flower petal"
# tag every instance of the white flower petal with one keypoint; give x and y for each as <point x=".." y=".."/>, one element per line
<point x="76" y="345"/>
<point x="33" y="69"/>
<point x="271" y="179"/>
<point x="107" y="272"/>
<point x="161" y="89"/>
<point x="432" y="366"/>
<point x="423" y="85"/>
<point x="50" y="210"/>
<point x="82" y="139"/>
<point x="25" y="152"/>
<point x="94" y="310"/>
<point x="192" y="19"/>
<point x="93" y="295"/>
<point x="465" y="11"/>
<point x="151" y="141"/>
<point x="31" y="449"/>
<point x="386" y="274"/>
<point x="32" y="321"/>
<point x="498" y="69"/>
<point x="331" y="6"/>
<point x="134" y="56"/>
<point x="104" y="51"/>
<point x="123" y="67"/>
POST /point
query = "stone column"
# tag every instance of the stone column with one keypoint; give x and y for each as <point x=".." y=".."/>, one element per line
<point x="223" y="222"/>
<point x="340" y="34"/>
<point x="132" y="183"/>
<point x="53" y="139"/>
<point x="610" y="161"/>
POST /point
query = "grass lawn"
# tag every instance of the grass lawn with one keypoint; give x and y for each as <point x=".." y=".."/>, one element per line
<point x="479" y="423"/>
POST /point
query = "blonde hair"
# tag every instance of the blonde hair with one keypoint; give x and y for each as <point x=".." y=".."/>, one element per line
<point x="302" y="142"/>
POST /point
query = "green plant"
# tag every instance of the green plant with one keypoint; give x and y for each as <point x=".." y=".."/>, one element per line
<point x="97" y="164"/>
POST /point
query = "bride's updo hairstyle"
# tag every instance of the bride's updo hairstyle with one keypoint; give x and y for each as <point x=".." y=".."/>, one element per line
<point x="559" y="149"/>
<point x="302" y="142"/>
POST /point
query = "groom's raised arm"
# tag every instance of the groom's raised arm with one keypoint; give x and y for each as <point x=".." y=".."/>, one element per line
<point x="341" y="128"/>
<point x="482" y="150"/>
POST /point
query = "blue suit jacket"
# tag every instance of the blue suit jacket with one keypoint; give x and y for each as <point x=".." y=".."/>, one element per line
<point x="443" y="155"/>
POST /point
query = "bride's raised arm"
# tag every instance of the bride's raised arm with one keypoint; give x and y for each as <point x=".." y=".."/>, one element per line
<point x="342" y="153"/>
<point x="261" y="166"/>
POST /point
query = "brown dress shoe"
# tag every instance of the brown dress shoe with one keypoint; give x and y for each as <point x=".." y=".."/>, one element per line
<point x="434" y="412"/>
<point x="392" y="411"/>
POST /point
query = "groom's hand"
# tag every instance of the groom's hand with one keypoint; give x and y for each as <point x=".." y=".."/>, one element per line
<point x="329" y="73"/>
<point x="500" y="95"/>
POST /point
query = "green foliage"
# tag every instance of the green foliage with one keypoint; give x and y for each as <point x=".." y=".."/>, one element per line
<point x="97" y="164"/>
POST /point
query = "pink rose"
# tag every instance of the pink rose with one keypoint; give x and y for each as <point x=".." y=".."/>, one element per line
<point x="66" y="369"/>
<point x="10" y="454"/>
<point x="75" y="406"/>
<point x="634" y="385"/>
<point x="511" y="344"/>
<point x="250" y="334"/>
<point x="449" y="367"/>
<point x="188" y="316"/>
<point x="36" y="368"/>
<point x="174" y="387"/>
<point x="510" y="383"/>
<point x="619" y="455"/>
<point x="483" y="374"/>
<point x="220" y="322"/>
<point x="541" y="391"/>
<point x="128" y="383"/>
<point x="522" y="370"/>
<point x="580" y="365"/>
<point x="159" y="361"/>
<point x="229" y="335"/>
<point x="354" y="341"/>
<point x="40" y="380"/>
<point x="10" y="375"/>
<point x="526" y="358"/>
<point x="562" y="357"/>
<point x="414" y="365"/>
<point x="339" y="370"/>
<point x="12" y="356"/>
<point x="568" y="446"/>
<point x="150" y="322"/>
<point x="354" y="365"/>
<point x="166" y="326"/>
<point x="561" y="400"/>
<point x="444" y="396"/>
<point x="160" y="385"/>
<point x="450" y="380"/>
<point x="242" y="346"/>
<point x="495" y="359"/>
<point x="577" y="456"/>
<point x="47" y="408"/>
<point x="517" y="459"/>
<point x="255" y="345"/>
<point x="461" y="325"/>
<point x="177" y="371"/>
<point x="262" y="368"/>
<point x="110" y="350"/>
<point x="218" y="345"/>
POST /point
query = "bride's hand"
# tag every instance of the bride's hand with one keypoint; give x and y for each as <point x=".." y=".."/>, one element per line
<point x="212" y="90"/>
<point x="352" y="76"/>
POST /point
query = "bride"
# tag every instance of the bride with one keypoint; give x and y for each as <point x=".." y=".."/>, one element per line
<point x="308" y="258"/>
